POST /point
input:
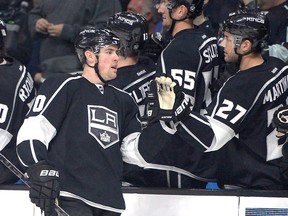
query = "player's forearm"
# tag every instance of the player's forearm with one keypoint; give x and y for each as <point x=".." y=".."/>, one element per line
<point x="141" y="149"/>
<point x="204" y="132"/>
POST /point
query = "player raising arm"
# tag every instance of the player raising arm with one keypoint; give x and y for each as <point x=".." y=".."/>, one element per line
<point x="238" y="122"/>
<point x="239" y="118"/>
<point x="71" y="139"/>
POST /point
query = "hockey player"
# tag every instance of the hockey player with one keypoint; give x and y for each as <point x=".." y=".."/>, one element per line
<point x="135" y="71"/>
<point x="72" y="136"/>
<point x="17" y="92"/>
<point x="191" y="58"/>
<point x="238" y="121"/>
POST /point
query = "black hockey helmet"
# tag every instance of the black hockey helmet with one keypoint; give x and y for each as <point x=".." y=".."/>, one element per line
<point x="3" y="34"/>
<point x="131" y="28"/>
<point x="93" y="39"/>
<point x="249" y="25"/>
<point x="194" y="7"/>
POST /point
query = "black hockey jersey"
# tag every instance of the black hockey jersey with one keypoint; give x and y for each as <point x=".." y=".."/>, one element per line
<point x="17" y="93"/>
<point x="239" y="118"/>
<point x="135" y="79"/>
<point x="191" y="58"/>
<point x="83" y="127"/>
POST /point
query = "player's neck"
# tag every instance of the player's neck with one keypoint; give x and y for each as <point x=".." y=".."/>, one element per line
<point x="251" y="60"/>
<point x="199" y="20"/>
<point x="182" y="25"/>
<point x="91" y="76"/>
<point x="123" y="62"/>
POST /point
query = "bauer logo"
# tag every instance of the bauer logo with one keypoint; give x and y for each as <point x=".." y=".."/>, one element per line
<point x="103" y="125"/>
<point x="49" y="173"/>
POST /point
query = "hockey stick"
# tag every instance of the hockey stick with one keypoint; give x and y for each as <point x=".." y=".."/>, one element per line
<point x="24" y="178"/>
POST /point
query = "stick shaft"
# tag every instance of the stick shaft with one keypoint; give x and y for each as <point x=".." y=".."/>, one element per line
<point x="25" y="179"/>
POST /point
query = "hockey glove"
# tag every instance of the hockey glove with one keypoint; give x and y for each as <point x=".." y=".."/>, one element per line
<point x="280" y="121"/>
<point x="155" y="44"/>
<point x="284" y="164"/>
<point x="44" y="182"/>
<point x="165" y="101"/>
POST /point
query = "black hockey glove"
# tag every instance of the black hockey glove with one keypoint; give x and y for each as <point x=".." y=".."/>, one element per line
<point x="280" y="122"/>
<point x="44" y="186"/>
<point x="165" y="101"/>
<point x="284" y="164"/>
<point x="155" y="44"/>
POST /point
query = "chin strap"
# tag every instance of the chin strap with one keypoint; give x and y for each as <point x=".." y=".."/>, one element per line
<point x="97" y="70"/>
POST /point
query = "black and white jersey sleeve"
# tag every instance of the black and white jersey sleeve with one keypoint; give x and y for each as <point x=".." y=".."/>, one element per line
<point x="79" y="127"/>
<point x="238" y="125"/>
<point x="246" y="101"/>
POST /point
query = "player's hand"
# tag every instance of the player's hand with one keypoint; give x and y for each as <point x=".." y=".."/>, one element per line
<point x="165" y="101"/>
<point x="155" y="44"/>
<point x="44" y="186"/>
<point x="280" y="121"/>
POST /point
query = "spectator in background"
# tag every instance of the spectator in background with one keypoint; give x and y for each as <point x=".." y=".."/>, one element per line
<point x="55" y="25"/>
<point x="17" y="92"/>
<point x="18" y="43"/>
<point x="147" y="9"/>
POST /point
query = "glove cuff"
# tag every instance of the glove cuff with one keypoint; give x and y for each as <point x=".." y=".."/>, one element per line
<point x="43" y="172"/>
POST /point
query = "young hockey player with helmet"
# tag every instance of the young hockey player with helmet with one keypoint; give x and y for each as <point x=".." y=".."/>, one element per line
<point x="71" y="140"/>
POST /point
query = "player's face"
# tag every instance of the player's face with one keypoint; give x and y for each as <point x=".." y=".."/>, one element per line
<point x="228" y="44"/>
<point x="108" y="60"/>
<point x="163" y="10"/>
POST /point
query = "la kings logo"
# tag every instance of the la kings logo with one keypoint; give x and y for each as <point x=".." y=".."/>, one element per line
<point x="103" y="125"/>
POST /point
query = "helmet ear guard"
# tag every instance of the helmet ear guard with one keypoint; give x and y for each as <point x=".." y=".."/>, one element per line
<point x="248" y="25"/>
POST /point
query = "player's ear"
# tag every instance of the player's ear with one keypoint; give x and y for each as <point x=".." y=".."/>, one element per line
<point x="89" y="55"/>
<point x="182" y="11"/>
<point x="246" y="45"/>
